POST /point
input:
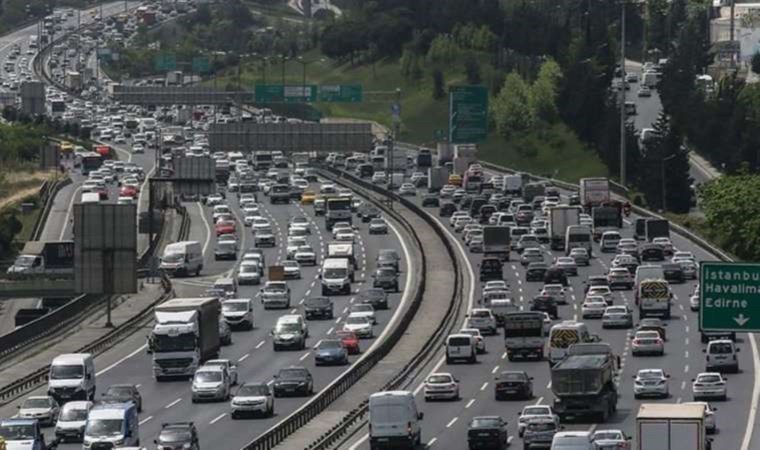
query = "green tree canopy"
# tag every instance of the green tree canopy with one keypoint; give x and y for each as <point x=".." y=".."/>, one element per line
<point x="511" y="109"/>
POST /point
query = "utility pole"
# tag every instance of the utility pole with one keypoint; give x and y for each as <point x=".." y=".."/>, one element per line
<point x="733" y="53"/>
<point x="622" y="96"/>
<point x="662" y="174"/>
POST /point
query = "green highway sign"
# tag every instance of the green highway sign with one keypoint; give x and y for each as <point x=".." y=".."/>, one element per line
<point x="729" y="297"/>
<point x="468" y="114"/>
<point x="278" y="93"/>
<point x="341" y="93"/>
<point x="165" y="61"/>
<point x="201" y="65"/>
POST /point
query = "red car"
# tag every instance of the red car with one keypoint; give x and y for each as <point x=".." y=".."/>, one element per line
<point x="225" y="227"/>
<point x="350" y="340"/>
<point x="103" y="192"/>
<point x="128" y="191"/>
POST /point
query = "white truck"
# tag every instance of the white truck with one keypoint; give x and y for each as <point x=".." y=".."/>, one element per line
<point x="185" y="334"/>
<point x="445" y="152"/>
<point x="437" y="178"/>
<point x="343" y="250"/>
<point x="561" y="217"/>
<point x="524" y="334"/>
<point x="396" y="180"/>
<point x="461" y="165"/>
<point x="44" y="258"/>
<point x="594" y="192"/>
<point x="496" y="242"/>
<point x="668" y="426"/>
<point x="396" y="161"/>
<point x="513" y="185"/>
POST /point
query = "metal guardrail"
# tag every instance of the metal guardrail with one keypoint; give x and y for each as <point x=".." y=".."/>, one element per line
<point x="278" y="433"/>
<point x="47" y="196"/>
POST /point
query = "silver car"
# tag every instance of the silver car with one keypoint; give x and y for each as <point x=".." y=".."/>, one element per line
<point x="651" y="383"/>
<point x="41" y="407"/>
<point x="581" y="257"/>
<point x="532" y="254"/>
<point x="617" y="317"/>
<point x="568" y="265"/>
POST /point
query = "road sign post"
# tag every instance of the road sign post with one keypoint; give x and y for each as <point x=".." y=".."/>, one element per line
<point x="341" y="93"/>
<point x="729" y="297"/>
<point x="468" y="114"/>
<point x="278" y="93"/>
<point x="201" y="64"/>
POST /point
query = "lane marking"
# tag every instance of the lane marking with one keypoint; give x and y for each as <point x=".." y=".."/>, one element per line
<point x="143" y="347"/>
<point x="260" y="344"/>
<point x="452" y="422"/>
<point x="305" y="355"/>
<point x="217" y="418"/>
<point x="485" y="385"/>
<point x="469" y="403"/>
<point x="432" y="441"/>
<point x="146" y="420"/>
<point x="172" y="403"/>
<point x="540" y="399"/>
<point x="206" y="225"/>
<point x="244" y="357"/>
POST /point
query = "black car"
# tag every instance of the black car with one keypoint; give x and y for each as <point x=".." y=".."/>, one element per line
<point x="385" y="278"/>
<point x="178" y="435"/>
<point x="673" y="273"/>
<point x="368" y="212"/>
<point x="545" y="303"/>
<point x="491" y="269"/>
<point x="485" y="213"/>
<point x="555" y="275"/>
<point x="376" y="297"/>
<point x="121" y="393"/>
<point x="536" y="271"/>
<point x="487" y="432"/>
<point x="574" y="200"/>
<point x="365" y="170"/>
<point x="513" y="384"/>
<point x="225" y="250"/>
<point x="595" y="280"/>
<point x="388" y="257"/>
<point x="652" y="252"/>
<point x="447" y="210"/>
<point x="430" y="201"/>
<point x="294" y="380"/>
<point x="321" y="307"/>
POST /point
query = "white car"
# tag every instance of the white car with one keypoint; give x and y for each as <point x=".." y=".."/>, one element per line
<point x="711" y="425"/>
<point x="360" y="325"/>
<point x="480" y="343"/>
<point x="651" y="383"/>
<point x="538" y="411"/>
<point x="556" y="291"/>
<point x="364" y="310"/>
<point x="345" y="236"/>
<point x="291" y="269"/>
<point x="253" y="398"/>
<point x="305" y="256"/>
<point x="441" y="386"/>
<point x="249" y="272"/>
<point x="407" y="189"/>
<point x="43" y="408"/>
<point x="694" y="302"/>
<point x="593" y="308"/>
<point x="709" y="385"/>
<point x="689" y="267"/>
<point x="601" y="291"/>
<point x="665" y="244"/>
<point x="260" y="223"/>
<point x="482" y="319"/>
<point x="378" y="178"/>
<point x="610" y="440"/>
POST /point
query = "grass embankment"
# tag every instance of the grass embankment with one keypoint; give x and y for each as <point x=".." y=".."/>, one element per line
<point x="18" y="188"/>
<point x="422" y="115"/>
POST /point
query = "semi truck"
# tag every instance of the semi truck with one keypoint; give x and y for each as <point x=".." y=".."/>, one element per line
<point x="671" y="426"/>
<point x="513" y="185"/>
<point x="45" y="258"/>
<point x="524" y="334"/>
<point x="396" y="161"/>
<point x="594" y="192"/>
<point x="437" y="178"/>
<point x="445" y="153"/>
<point x="606" y="218"/>
<point x="461" y="165"/>
<point x="655" y="228"/>
<point x="561" y="217"/>
<point x="185" y="335"/>
<point x="342" y="250"/>
<point x="583" y="383"/>
<point x="496" y="242"/>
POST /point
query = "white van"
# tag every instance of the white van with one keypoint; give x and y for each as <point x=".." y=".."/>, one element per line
<point x="72" y="377"/>
<point x="461" y="347"/>
<point x="72" y="420"/>
<point x="609" y="241"/>
<point x="578" y="236"/>
<point x="90" y="197"/>
<point x="721" y="356"/>
<point x="336" y="275"/>
<point x="238" y="312"/>
<point x="573" y="440"/>
<point x="647" y="272"/>
<point x="114" y="424"/>
<point x="565" y="334"/>
<point x="184" y="257"/>
<point x="394" y="420"/>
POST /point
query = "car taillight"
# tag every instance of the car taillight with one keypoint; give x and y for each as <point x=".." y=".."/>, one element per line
<point x="409" y="428"/>
<point x="698" y="385"/>
<point x="635" y="342"/>
<point x="659" y="341"/>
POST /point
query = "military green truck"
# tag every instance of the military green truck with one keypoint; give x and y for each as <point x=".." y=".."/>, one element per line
<point x="583" y="383"/>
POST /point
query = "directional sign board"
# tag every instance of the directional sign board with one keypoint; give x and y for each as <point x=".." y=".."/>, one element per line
<point x="278" y="93"/>
<point x="201" y="65"/>
<point x="165" y="61"/>
<point x="729" y="297"/>
<point x="341" y="93"/>
<point x="468" y="114"/>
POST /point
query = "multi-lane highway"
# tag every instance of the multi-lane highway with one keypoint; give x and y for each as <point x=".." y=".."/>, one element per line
<point x="445" y="425"/>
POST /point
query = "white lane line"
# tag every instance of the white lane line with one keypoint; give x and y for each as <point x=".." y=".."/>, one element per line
<point x="68" y="212"/>
<point x="504" y="355"/>
<point x="206" y="225"/>
<point x="591" y="429"/>
<point x="495" y="369"/>
<point x="686" y="354"/>
<point x="172" y="403"/>
<point x="452" y="422"/>
<point x="260" y="344"/>
<point x="269" y="383"/>
<point x="308" y="291"/>
<point x="469" y="403"/>
<point x="300" y="302"/>
<point x="304" y="356"/>
<point x="686" y="368"/>
<point x="485" y="385"/>
<point x="120" y="361"/>
<point x="330" y="330"/>
<point x="338" y="320"/>
<point x="244" y="357"/>
<point x="345" y="310"/>
<point x="293" y="311"/>
<point x="755" y="394"/>
<point x="146" y="420"/>
<point x="540" y="399"/>
<point x="683" y="385"/>
<point x="217" y="418"/>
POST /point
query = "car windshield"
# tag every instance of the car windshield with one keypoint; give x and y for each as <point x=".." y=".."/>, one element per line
<point x="362" y="308"/>
<point x="24" y="261"/>
<point x="276" y="288"/>
<point x="439" y="379"/>
<point x="290" y="327"/>
<point x="170" y="436"/>
<point x="326" y="345"/>
<point x="511" y="376"/>
<point x="334" y="273"/>
<point x="607" y="435"/>
<point x="354" y="320"/>
<point x="36" y="403"/>
<point x="17" y="432"/>
<point x="385" y="273"/>
<point x="208" y="376"/>
<point x="485" y="422"/>
<point x="617" y="310"/>
<point x="119" y="391"/>
<point x="103" y="427"/>
<point x="173" y="257"/>
<point x="708" y="379"/>
<point x="721" y="348"/>
<point x="253" y="390"/>
<point x="650" y="375"/>
<point x="234" y="306"/>
<point x="292" y="374"/>
<point x="59" y="372"/>
<point x="73" y="415"/>
<point x="249" y="268"/>
<point x="480" y="313"/>
<point x="541" y="411"/>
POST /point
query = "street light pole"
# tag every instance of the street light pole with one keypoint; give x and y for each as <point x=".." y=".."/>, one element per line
<point x="622" y="97"/>
<point x="664" y="200"/>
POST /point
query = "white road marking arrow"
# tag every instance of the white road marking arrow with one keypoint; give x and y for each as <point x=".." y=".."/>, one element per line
<point x="741" y="320"/>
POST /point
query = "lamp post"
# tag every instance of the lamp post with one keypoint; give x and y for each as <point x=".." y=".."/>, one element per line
<point x="664" y="200"/>
<point x="622" y="96"/>
<point x="283" y="58"/>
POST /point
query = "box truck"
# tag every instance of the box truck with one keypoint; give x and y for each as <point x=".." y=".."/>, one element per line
<point x="496" y="242"/>
<point x="437" y="178"/>
<point x="561" y="217"/>
<point x="594" y="192"/>
<point x="45" y="258"/>
<point x="663" y="426"/>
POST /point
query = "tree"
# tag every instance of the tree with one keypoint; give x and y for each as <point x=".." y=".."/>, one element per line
<point x="666" y="168"/>
<point x="439" y="89"/>
<point x="510" y="110"/>
<point x="543" y="92"/>
<point x="203" y="14"/>
<point x="733" y="214"/>
<point x="10" y="226"/>
<point x="472" y="70"/>
<point x="756" y="63"/>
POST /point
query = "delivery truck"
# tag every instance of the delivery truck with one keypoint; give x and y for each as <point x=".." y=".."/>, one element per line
<point x="496" y="242"/>
<point x="655" y="228"/>
<point x="437" y="178"/>
<point x="445" y="153"/>
<point x="561" y="217"/>
<point x="669" y="426"/>
<point x="45" y="258"/>
<point x="513" y="185"/>
<point x="594" y="192"/>
<point x="185" y="335"/>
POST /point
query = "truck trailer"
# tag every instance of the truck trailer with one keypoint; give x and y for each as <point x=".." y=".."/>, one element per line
<point x="437" y="178"/>
<point x="668" y="426"/>
<point x="594" y="192"/>
<point x="496" y="242"/>
<point x="561" y="217"/>
<point x="655" y="228"/>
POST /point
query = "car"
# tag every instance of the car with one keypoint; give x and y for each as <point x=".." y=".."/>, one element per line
<point x="225" y="250"/>
<point x="441" y="386"/>
<point x="568" y="264"/>
<point x="293" y="380"/>
<point x="721" y="356"/>
<point x="694" y="302"/>
<point x="617" y="317"/>
<point x="475" y="244"/>
<point x="121" y="393"/>
<point x="665" y="244"/>
<point x="430" y="201"/>
<point x="647" y="342"/>
<point x="611" y="439"/>
<point x="305" y="256"/>
<point x="378" y="226"/>
<point x="653" y="324"/>
<point x="378" y="178"/>
<point x="652" y="252"/>
<point x="627" y="262"/>
<point x="651" y="383"/>
<point x="178" y="435"/>
<point x="535" y="271"/>
<point x="593" y="308"/>
<point x="252" y="399"/>
<point x="227" y="365"/>
<point x="530" y="255"/>
<point x="225" y="227"/>
<point x="601" y="291"/>
<point x="264" y="237"/>
<point x="249" y="272"/>
<point x="489" y="432"/>
<point x="674" y="273"/>
<point x="711" y="425"/>
<point x="386" y="278"/>
<point x="42" y="408"/>
<point x="211" y="383"/>
<point x="644" y="91"/>
<point x="480" y="343"/>
<point x="620" y="277"/>
<point x="363" y="309"/>
<point x="291" y="269"/>
<point x="361" y="325"/>
<point x="447" y="210"/>
<point x="709" y="385"/>
<point x="689" y="268"/>
<point x="535" y="411"/>
<point x="350" y="341"/>
<point x="482" y="319"/>
<point x="581" y="256"/>
<point x="225" y="333"/>
<point x="308" y="197"/>
<point x="557" y="291"/>
<point x="329" y="352"/>
<point x="407" y="189"/>
<point x="546" y="304"/>
<point x="555" y="275"/>
<point x="513" y="384"/>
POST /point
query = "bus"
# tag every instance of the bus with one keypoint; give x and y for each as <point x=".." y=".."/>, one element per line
<point x="565" y="334"/>
<point x="90" y="161"/>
